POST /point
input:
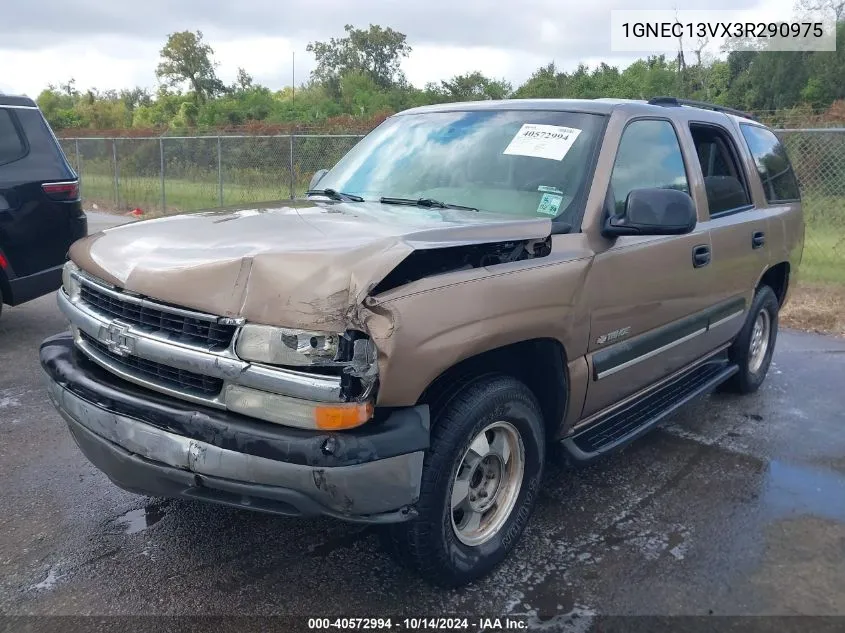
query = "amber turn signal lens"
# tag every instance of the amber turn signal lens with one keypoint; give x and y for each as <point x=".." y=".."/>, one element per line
<point x="329" y="418"/>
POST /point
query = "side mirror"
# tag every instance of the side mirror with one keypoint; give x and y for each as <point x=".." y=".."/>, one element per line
<point x="316" y="178"/>
<point x="653" y="212"/>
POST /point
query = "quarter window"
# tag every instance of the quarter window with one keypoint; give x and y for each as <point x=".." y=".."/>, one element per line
<point x="11" y="144"/>
<point x="775" y="171"/>
<point x="649" y="156"/>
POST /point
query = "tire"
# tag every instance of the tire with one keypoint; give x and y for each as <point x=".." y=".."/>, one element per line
<point x="442" y="545"/>
<point x="753" y="367"/>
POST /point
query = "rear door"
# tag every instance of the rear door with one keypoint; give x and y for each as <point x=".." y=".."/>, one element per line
<point x="647" y="294"/>
<point x="13" y="147"/>
<point x="777" y="189"/>
<point x="739" y="229"/>
<point x="36" y="226"/>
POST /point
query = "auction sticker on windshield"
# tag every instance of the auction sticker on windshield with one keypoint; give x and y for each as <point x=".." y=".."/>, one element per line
<point x="542" y="141"/>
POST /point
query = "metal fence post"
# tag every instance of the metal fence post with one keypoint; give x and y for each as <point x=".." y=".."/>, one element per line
<point x="219" y="172"/>
<point x="161" y="172"/>
<point x="116" y="175"/>
<point x="292" y="173"/>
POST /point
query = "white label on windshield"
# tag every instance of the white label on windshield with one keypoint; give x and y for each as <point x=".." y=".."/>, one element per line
<point x="542" y="141"/>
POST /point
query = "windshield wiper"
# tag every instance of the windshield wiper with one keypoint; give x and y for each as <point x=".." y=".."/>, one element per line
<point x="424" y="202"/>
<point x="335" y="195"/>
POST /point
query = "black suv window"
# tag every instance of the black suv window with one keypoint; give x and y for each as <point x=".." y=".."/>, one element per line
<point x="649" y="155"/>
<point x="12" y="146"/>
<point x="724" y="182"/>
<point x="779" y="181"/>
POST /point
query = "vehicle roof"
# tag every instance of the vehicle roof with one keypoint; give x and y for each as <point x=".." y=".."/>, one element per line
<point x="14" y="100"/>
<point x="591" y="106"/>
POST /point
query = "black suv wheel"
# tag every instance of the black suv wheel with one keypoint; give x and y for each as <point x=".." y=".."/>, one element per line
<point x="479" y="483"/>
<point x="754" y="345"/>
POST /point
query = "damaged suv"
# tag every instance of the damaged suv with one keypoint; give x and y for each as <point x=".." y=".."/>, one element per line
<point x="469" y="285"/>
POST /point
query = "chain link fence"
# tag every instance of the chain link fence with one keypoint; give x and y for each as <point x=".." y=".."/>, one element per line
<point x="818" y="157"/>
<point x="170" y="174"/>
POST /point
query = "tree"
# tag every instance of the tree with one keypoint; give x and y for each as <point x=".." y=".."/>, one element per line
<point x="185" y="58"/>
<point x="826" y="70"/>
<point x="243" y="82"/>
<point x="376" y="51"/>
<point x="545" y="82"/>
<point x="810" y="6"/>
<point x="68" y="88"/>
<point x="360" y="74"/>
<point x="474" y="87"/>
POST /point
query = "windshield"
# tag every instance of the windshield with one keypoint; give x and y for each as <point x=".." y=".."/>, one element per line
<point x="517" y="162"/>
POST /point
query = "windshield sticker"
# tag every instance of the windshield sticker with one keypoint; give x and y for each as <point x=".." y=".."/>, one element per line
<point x="549" y="204"/>
<point x="542" y="141"/>
<point x="548" y="189"/>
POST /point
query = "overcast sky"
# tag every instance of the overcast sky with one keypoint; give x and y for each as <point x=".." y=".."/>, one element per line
<point x="115" y="43"/>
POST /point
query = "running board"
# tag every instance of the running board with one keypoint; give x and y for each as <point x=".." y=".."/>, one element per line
<point x="623" y="425"/>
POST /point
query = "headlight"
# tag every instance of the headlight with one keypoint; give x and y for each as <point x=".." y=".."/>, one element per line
<point x="281" y="346"/>
<point x="69" y="282"/>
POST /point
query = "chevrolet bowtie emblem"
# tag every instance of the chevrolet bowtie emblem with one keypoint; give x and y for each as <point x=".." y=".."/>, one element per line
<point x="117" y="339"/>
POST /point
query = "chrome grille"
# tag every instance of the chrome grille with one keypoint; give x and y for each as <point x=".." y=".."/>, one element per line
<point x="157" y="319"/>
<point x="185" y="381"/>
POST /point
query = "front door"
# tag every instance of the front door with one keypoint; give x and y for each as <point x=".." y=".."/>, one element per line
<point x="647" y="295"/>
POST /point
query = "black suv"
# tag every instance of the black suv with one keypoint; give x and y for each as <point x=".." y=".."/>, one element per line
<point x="40" y="208"/>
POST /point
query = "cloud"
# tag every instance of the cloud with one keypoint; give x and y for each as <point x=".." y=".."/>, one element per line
<point x="104" y="43"/>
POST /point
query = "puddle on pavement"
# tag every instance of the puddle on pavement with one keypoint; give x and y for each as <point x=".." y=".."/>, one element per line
<point x="793" y="489"/>
<point x="140" y="519"/>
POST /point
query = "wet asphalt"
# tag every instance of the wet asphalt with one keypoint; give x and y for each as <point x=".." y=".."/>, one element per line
<point x="735" y="507"/>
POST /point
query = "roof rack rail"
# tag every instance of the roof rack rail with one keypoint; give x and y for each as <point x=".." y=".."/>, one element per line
<point x="674" y="101"/>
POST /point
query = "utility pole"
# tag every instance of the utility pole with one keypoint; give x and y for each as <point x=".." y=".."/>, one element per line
<point x="293" y="75"/>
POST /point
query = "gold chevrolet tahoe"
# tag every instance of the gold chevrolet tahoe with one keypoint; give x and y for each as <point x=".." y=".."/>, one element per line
<point x="469" y="285"/>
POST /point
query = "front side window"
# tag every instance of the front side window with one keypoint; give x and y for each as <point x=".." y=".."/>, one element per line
<point x="513" y="162"/>
<point x="774" y="168"/>
<point x="11" y="145"/>
<point x="649" y="155"/>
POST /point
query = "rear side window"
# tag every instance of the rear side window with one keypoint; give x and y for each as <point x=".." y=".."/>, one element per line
<point x="649" y="155"/>
<point x="724" y="182"/>
<point x="775" y="171"/>
<point x="12" y="146"/>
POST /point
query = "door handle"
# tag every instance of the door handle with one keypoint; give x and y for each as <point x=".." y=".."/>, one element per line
<point x="700" y="256"/>
<point x="758" y="239"/>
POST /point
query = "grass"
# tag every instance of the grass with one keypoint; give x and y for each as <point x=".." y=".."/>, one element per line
<point x="181" y="195"/>
<point x="824" y="254"/>
<point x="815" y="307"/>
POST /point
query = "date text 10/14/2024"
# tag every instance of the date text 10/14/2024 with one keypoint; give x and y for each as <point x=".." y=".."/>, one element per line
<point x="419" y="624"/>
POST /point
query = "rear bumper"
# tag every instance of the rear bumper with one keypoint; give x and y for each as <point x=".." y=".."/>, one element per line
<point x="156" y="445"/>
<point x="33" y="286"/>
<point x="29" y="287"/>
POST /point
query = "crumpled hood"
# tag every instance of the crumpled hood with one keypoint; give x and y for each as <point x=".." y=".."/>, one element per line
<point x="302" y="265"/>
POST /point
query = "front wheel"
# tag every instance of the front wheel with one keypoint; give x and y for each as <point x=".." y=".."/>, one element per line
<point x="479" y="483"/>
<point x="754" y="345"/>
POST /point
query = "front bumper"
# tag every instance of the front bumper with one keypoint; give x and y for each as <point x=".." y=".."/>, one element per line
<point x="153" y="444"/>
